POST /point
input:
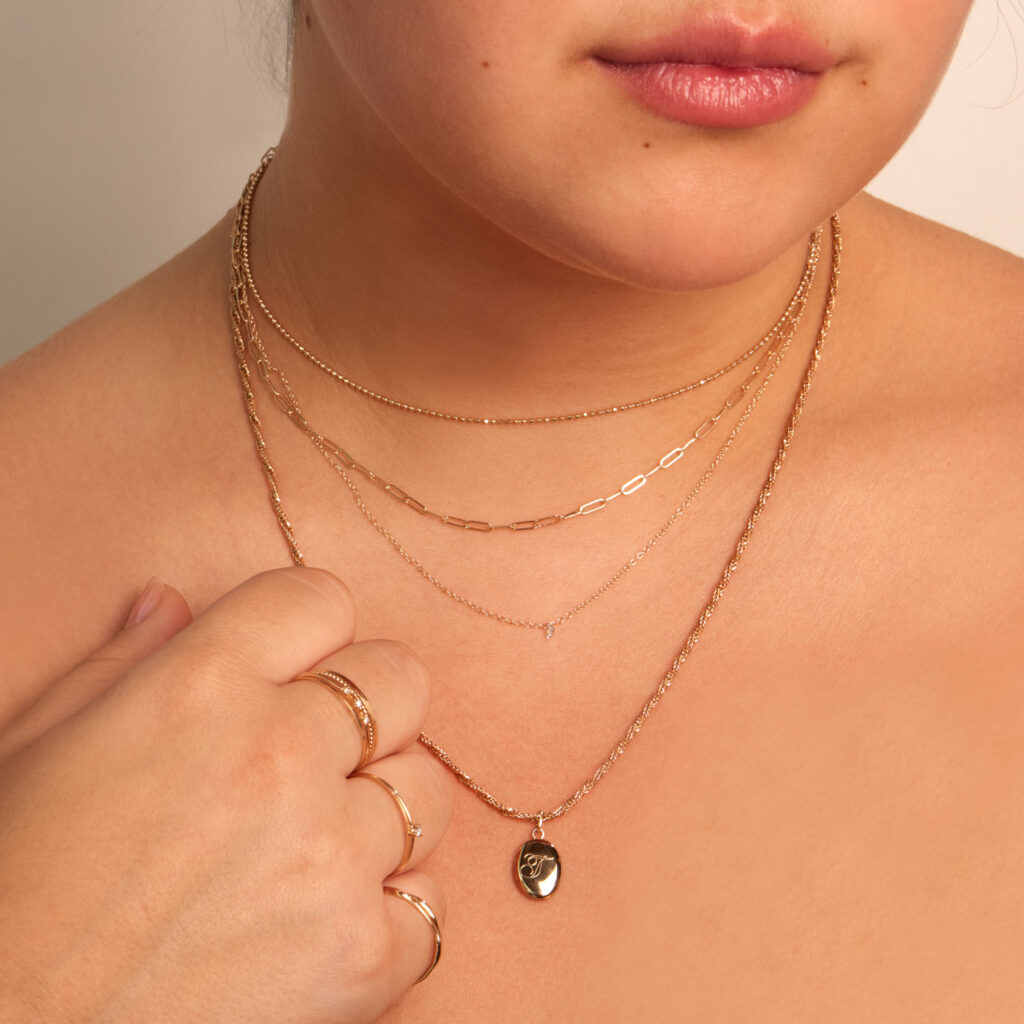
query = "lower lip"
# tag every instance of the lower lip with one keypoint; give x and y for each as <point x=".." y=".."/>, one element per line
<point x="710" y="96"/>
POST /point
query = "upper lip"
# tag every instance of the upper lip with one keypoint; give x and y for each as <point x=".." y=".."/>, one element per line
<point x="730" y="42"/>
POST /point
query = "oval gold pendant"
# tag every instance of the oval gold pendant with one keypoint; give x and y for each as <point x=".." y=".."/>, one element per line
<point x="538" y="869"/>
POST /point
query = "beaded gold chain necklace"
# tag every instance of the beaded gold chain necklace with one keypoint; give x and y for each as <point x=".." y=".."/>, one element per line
<point x="798" y="299"/>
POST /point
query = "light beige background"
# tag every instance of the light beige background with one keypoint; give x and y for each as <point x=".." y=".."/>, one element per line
<point x="129" y="126"/>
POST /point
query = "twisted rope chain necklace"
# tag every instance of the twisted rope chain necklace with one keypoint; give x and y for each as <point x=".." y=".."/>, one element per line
<point x="538" y="865"/>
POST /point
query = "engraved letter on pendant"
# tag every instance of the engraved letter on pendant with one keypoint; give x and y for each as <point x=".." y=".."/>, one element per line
<point x="538" y="869"/>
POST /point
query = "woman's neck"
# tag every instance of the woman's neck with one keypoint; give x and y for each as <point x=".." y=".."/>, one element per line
<point x="386" y="273"/>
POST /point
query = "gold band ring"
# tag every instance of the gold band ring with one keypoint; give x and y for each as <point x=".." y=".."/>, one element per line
<point x="412" y="830"/>
<point x="422" y="906"/>
<point x="355" y="700"/>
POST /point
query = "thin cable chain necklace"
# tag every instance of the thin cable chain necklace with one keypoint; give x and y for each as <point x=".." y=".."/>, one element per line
<point x="481" y="420"/>
<point x="538" y="865"/>
<point x="547" y="626"/>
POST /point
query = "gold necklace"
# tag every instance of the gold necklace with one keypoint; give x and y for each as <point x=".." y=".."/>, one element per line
<point x="547" y="626"/>
<point x="538" y="866"/>
<point x="284" y="396"/>
<point x="798" y="298"/>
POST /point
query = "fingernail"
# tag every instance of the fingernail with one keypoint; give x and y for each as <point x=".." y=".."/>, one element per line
<point x="145" y="603"/>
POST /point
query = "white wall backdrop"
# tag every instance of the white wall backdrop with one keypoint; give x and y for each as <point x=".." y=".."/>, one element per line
<point x="129" y="126"/>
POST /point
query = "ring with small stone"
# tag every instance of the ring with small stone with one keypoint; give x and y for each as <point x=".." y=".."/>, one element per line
<point x="412" y="830"/>
<point x="355" y="700"/>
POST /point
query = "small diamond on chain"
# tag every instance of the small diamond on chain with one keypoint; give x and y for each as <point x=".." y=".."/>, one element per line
<point x="549" y="631"/>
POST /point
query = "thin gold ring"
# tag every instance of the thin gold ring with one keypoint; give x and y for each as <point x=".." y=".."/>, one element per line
<point x="412" y="830"/>
<point x="422" y="906"/>
<point x="355" y="700"/>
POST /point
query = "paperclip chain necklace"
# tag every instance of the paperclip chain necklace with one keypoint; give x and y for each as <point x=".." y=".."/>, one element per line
<point x="546" y="626"/>
<point x="538" y="866"/>
<point x="285" y="398"/>
<point x="246" y="268"/>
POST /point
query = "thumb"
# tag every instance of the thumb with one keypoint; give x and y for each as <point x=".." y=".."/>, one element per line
<point x="158" y="614"/>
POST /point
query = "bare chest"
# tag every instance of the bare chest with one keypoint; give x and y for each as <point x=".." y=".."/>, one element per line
<point x="786" y="842"/>
<point x="821" y="821"/>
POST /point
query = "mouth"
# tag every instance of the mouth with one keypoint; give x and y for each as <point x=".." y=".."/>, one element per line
<point x="720" y="72"/>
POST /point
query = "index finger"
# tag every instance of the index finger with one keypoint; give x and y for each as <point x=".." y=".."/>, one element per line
<point x="272" y="627"/>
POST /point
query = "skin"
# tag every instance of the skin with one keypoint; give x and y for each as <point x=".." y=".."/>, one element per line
<point x="823" y="821"/>
<point x="209" y="800"/>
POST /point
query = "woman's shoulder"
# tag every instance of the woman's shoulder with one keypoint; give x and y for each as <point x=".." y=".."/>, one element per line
<point x="118" y="340"/>
<point x="934" y="320"/>
<point x="921" y="419"/>
<point x="122" y="384"/>
<point x="111" y="429"/>
<point x="948" y="280"/>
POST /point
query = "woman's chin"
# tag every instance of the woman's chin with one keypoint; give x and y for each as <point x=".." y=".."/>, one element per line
<point x="682" y="256"/>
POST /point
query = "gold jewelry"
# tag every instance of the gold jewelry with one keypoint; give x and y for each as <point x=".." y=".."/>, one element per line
<point x="355" y="700"/>
<point x="538" y="867"/>
<point x="284" y="397"/>
<point x="247" y="335"/>
<point x="510" y="811"/>
<point x="239" y="313"/>
<point x="798" y="297"/>
<point x="424" y="908"/>
<point x="547" y="626"/>
<point x="412" y="830"/>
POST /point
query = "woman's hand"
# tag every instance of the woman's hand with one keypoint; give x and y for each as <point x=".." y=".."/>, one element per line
<point x="179" y="837"/>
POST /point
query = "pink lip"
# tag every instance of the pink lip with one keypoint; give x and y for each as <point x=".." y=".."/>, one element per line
<point x="718" y="72"/>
